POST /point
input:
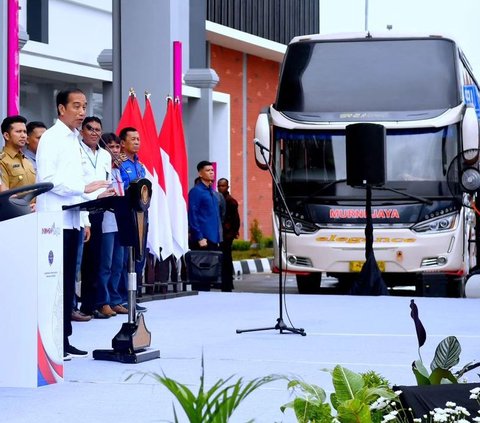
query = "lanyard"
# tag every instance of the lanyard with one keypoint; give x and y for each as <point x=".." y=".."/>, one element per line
<point x="88" y="156"/>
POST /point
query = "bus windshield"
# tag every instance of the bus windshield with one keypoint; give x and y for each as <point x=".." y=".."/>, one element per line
<point x="316" y="158"/>
<point x="368" y="75"/>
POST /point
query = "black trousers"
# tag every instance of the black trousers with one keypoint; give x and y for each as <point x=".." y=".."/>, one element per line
<point x="227" y="266"/>
<point x="91" y="264"/>
<point x="70" y="249"/>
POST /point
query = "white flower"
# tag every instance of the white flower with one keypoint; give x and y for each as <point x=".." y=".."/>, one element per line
<point x="389" y="417"/>
<point x="475" y="390"/>
<point x="473" y="396"/>
<point x="379" y="404"/>
<point x="450" y="404"/>
<point x="462" y="410"/>
<point x="476" y="419"/>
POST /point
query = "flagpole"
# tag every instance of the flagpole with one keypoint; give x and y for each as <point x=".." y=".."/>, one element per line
<point x="177" y="72"/>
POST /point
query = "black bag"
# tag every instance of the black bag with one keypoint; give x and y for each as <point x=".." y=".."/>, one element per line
<point x="203" y="268"/>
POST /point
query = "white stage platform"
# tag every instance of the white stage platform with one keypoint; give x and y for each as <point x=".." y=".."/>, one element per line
<point x="360" y="333"/>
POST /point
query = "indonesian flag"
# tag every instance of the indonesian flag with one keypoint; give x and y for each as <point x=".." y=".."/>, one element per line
<point x="175" y="164"/>
<point x="159" y="237"/>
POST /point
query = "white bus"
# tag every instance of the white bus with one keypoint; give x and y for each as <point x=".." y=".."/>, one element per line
<point x="422" y="89"/>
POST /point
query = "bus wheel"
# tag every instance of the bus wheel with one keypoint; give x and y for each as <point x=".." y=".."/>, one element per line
<point x="456" y="287"/>
<point x="309" y="284"/>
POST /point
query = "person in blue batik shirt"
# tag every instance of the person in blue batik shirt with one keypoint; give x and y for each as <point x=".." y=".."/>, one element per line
<point x="131" y="169"/>
<point x="203" y="211"/>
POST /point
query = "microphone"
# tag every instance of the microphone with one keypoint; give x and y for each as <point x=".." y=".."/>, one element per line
<point x="115" y="159"/>
<point x="256" y="142"/>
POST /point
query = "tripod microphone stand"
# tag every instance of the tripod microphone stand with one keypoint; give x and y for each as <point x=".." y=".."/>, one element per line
<point x="280" y="325"/>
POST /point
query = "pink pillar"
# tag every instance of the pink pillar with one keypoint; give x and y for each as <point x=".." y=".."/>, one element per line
<point x="13" y="60"/>
<point x="177" y="72"/>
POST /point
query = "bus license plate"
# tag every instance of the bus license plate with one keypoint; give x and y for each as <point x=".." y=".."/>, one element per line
<point x="356" y="266"/>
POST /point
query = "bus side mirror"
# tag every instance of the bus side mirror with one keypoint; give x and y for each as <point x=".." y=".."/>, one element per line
<point x="470" y="131"/>
<point x="262" y="141"/>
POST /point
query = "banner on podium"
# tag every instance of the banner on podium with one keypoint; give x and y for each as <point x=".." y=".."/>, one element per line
<point x="31" y="292"/>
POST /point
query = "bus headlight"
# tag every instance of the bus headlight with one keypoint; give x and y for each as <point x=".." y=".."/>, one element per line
<point x="438" y="224"/>
<point x="302" y="227"/>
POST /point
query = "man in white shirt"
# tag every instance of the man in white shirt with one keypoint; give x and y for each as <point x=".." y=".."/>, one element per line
<point x="96" y="164"/>
<point x="59" y="162"/>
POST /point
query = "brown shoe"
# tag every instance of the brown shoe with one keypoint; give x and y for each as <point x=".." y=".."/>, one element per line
<point x="107" y="311"/>
<point x="119" y="309"/>
<point x="78" y="316"/>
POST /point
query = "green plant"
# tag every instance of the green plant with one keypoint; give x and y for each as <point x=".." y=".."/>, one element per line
<point x="241" y="245"/>
<point x="213" y="405"/>
<point x="267" y="242"/>
<point x="256" y="233"/>
<point x="447" y="355"/>
<point x="352" y="399"/>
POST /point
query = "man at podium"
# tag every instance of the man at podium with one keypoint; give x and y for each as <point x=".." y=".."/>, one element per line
<point x="59" y="162"/>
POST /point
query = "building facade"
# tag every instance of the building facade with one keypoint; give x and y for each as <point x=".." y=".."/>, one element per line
<point x="231" y="55"/>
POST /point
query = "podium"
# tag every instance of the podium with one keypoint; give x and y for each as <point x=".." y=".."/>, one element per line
<point x="31" y="291"/>
<point x="131" y="344"/>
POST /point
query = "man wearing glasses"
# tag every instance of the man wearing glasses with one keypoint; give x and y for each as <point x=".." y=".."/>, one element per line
<point x="96" y="164"/>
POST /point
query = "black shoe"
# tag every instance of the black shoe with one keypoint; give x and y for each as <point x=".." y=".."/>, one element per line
<point x="66" y="357"/>
<point x="140" y="309"/>
<point x="71" y="351"/>
<point x="98" y="315"/>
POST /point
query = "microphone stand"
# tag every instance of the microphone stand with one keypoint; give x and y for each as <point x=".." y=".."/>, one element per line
<point x="280" y="325"/>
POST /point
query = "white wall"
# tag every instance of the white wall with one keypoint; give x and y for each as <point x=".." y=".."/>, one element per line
<point x="78" y="32"/>
<point x="458" y="19"/>
<point x="220" y="142"/>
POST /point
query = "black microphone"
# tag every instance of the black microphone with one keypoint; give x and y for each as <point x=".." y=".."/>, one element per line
<point x="256" y="142"/>
<point x="115" y="159"/>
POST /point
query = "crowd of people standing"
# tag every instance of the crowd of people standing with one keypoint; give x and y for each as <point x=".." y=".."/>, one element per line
<point x="83" y="164"/>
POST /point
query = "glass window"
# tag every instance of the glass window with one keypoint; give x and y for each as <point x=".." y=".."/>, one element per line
<point x="411" y="155"/>
<point x="369" y="75"/>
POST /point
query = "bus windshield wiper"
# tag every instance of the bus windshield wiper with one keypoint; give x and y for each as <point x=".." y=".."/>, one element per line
<point x="405" y="194"/>
<point x="318" y="191"/>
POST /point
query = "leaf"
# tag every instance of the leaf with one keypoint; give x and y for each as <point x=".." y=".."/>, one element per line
<point x="346" y="383"/>
<point x="447" y="354"/>
<point x="309" y="390"/>
<point x="369" y="395"/>
<point x="421" y="373"/>
<point x="215" y="405"/>
<point x="438" y="374"/>
<point x="469" y="366"/>
<point x="334" y="401"/>
<point x="421" y="333"/>
<point x="354" y="411"/>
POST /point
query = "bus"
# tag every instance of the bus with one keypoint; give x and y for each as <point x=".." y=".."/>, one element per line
<point x="421" y="88"/>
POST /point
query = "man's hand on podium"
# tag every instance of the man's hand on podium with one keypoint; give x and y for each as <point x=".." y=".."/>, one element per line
<point x="107" y="193"/>
<point x="93" y="186"/>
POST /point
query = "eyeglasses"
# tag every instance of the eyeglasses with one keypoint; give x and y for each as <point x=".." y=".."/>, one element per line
<point x="93" y="130"/>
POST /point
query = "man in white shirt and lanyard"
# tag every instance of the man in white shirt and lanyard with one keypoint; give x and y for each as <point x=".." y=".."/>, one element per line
<point x="59" y="162"/>
<point x="96" y="164"/>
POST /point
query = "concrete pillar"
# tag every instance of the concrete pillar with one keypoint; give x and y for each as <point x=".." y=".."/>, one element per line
<point x="109" y="125"/>
<point x="105" y="60"/>
<point x="143" y="36"/>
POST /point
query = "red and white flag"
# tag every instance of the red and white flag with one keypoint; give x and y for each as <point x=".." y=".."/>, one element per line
<point x="160" y="231"/>
<point x="175" y="165"/>
<point x="159" y="237"/>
